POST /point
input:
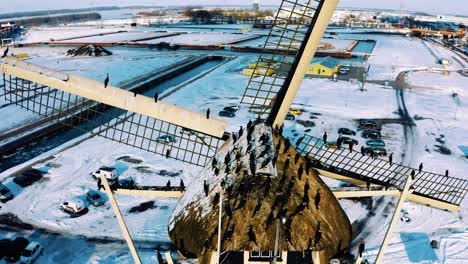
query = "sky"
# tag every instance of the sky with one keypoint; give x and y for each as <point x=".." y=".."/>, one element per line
<point x="430" y="6"/>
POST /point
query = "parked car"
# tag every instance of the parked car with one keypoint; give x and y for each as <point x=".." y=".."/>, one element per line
<point x="344" y="70"/>
<point x="95" y="198"/>
<point x="230" y="109"/>
<point x="166" y="139"/>
<point x="27" y="178"/>
<point x="290" y="117"/>
<point x="295" y="111"/>
<point x="375" y="143"/>
<point x="374" y="134"/>
<point x="346" y="131"/>
<point x="15" y="248"/>
<point x="73" y="206"/>
<point x="128" y="183"/>
<point x="226" y="114"/>
<point x="109" y="172"/>
<point x="376" y="151"/>
<point x="4" y="247"/>
<point x="347" y="140"/>
<point x="368" y="125"/>
<point x="31" y="253"/>
<point x="5" y="193"/>
<point x="186" y="131"/>
<point x="236" y="107"/>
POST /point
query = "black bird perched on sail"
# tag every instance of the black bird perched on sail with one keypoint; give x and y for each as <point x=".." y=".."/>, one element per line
<point x="299" y="141"/>
<point x="317" y="199"/>
<point x="182" y="185"/>
<point x="318" y="234"/>
<point x="257" y="208"/>
<point x="278" y="146"/>
<point x="296" y="158"/>
<point x="228" y="234"/>
<point x="286" y="162"/>
<point x="206" y="187"/>
<point x="106" y="81"/>
<point x="362" y="246"/>
<point x="5" y="53"/>
<point x="300" y="171"/>
<point x="286" y="146"/>
<point x="265" y="163"/>
<point x="251" y="235"/>
<point x="168" y="153"/>
<point x="275" y="159"/>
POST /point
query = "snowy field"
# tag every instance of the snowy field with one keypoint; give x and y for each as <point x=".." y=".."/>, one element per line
<point x="120" y="37"/>
<point x="393" y="54"/>
<point x="196" y="38"/>
<point x="43" y="34"/>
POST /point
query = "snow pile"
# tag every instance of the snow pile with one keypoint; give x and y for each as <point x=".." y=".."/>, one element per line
<point x="89" y="50"/>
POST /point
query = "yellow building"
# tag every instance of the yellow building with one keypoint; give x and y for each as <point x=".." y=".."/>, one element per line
<point x="326" y="66"/>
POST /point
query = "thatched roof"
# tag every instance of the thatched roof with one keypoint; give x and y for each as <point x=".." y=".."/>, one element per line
<point x="193" y="224"/>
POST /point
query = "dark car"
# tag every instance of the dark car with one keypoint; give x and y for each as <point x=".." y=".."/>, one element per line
<point x="346" y="131"/>
<point x="368" y="124"/>
<point x="230" y="109"/>
<point x="128" y="183"/>
<point x="374" y="134"/>
<point x="375" y="151"/>
<point x="375" y="143"/>
<point x="347" y="140"/>
<point x="15" y="248"/>
<point x="290" y="117"/>
<point x="4" y="247"/>
<point x="27" y="178"/>
<point x="226" y="114"/>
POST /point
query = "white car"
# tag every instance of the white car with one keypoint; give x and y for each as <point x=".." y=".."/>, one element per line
<point x="109" y="172"/>
<point x="73" y="206"/>
<point x="31" y="253"/>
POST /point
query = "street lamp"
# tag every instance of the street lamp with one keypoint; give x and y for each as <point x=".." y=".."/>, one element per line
<point x="283" y="221"/>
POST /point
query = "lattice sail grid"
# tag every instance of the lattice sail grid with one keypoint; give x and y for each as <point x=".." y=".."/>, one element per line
<point x="379" y="171"/>
<point x="119" y="125"/>
<point x="287" y="35"/>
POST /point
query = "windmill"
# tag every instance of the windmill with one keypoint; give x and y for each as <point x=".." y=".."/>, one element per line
<point x="254" y="174"/>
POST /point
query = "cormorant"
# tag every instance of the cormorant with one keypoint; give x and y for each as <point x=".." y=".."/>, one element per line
<point x="106" y="81"/>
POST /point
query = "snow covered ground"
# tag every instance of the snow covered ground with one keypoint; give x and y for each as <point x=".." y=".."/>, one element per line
<point x="393" y="54"/>
<point x="119" y="37"/>
<point x="42" y="34"/>
<point x="196" y="38"/>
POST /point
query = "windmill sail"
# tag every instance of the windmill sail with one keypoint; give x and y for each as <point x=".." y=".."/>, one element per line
<point x="285" y="51"/>
<point x="113" y="113"/>
<point x="429" y="188"/>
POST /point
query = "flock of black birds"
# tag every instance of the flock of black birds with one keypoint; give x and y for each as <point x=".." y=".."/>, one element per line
<point x="236" y="197"/>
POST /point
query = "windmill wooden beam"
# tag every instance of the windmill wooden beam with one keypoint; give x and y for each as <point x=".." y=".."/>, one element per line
<point x="114" y="96"/>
